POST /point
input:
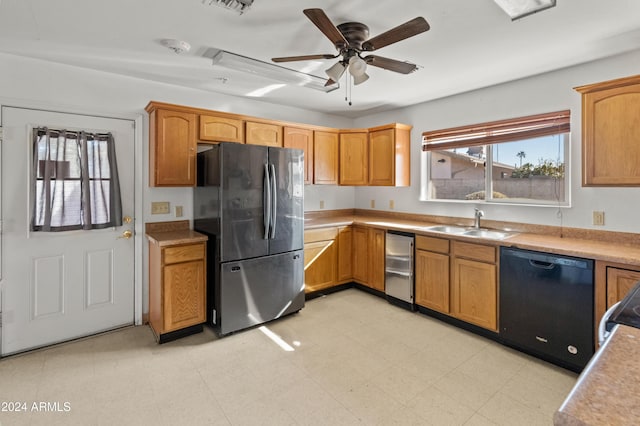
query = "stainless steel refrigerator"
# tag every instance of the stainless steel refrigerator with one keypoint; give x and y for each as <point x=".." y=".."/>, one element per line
<point x="249" y="201"/>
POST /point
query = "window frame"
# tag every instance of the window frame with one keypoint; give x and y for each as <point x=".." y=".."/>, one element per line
<point x="489" y="135"/>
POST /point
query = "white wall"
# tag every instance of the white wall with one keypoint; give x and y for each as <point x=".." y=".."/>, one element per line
<point x="544" y="93"/>
<point x="41" y="84"/>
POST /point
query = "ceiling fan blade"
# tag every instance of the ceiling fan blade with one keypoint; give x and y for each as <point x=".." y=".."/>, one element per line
<point x="303" y="58"/>
<point x="390" y="64"/>
<point x="408" y="29"/>
<point x="324" y="24"/>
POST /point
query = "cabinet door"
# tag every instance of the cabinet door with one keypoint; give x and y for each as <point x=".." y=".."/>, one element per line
<point x="432" y="280"/>
<point x="382" y="157"/>
<point x="221" y="129"/>
<point x="474" y="293"/>
<point x="376" y="259"/>
<point x="325" y="157"/>
<point x="320" y="260"/>
<point x="173" y="154"/>
<point x="390" y="157"/>
<point x="184" y="295"/>
<point x="619" y="282"/>
<point x="360" y="260"/>
<point x="610" y="131"/>
<point x="301" y="139"/>
<point x="354" y="159"/>
<point x="345" y="251"/>
<point x="263" y="134"/>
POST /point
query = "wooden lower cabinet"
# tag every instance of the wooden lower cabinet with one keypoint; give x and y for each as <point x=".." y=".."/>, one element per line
<point x="320" y="259"/>
<point x="368" y="257"/>
<point x="474" y="286"/>
<point x="360" y="256"/>
<point x="177" y="287"/>
<point x="345" y="250"/>
<point x="619" y="282"/>
<point x="432" y="273"/>
<point x="432" y="280"/>
<point x="376" y="258"/>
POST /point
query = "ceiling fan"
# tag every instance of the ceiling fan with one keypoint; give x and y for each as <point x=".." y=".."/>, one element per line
<point x="351" y="39"/>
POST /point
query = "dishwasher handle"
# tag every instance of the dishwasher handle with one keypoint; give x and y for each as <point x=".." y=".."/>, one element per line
<point x="541" y="264"/>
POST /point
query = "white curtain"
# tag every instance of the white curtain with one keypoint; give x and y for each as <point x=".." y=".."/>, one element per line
<point x="75" y="181"/>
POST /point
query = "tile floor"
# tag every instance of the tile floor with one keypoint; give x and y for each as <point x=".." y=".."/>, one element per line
<point x="356" y="360"/>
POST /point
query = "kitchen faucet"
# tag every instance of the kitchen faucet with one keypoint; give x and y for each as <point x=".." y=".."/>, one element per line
<point x="478" y="214"/>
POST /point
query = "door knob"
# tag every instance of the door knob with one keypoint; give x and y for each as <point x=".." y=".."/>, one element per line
<point x="126" y="234"/>
<point x="127" y="219"/>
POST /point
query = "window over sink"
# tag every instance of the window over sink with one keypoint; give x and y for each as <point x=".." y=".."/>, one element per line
<point x="523" y="160"/>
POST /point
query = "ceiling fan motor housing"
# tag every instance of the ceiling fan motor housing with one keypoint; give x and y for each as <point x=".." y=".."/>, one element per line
<point x="355" y="33"/>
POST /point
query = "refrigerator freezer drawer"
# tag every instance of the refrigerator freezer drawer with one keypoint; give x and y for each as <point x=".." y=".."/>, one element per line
<point x="258" y="290"/>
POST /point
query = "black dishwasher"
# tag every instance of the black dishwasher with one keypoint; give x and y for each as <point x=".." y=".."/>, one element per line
<point x="546" y="305"/>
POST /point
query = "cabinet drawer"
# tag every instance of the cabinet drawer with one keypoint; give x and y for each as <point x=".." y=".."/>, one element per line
<point x="321" y="234"/>
<point x="183" y="253"/>
<point x="475" y="251"/>
<point x="439" y="245"/>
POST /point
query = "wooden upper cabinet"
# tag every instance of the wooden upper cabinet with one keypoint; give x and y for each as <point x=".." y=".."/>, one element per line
<point x="220" y="129"/>
<point x="354" y="155"/>
<point x="325" y="158"/>
<point x="172" y="152"/>
<point x="263" y="134"/>
<point x="298" y="138"/>
<point x="611" y="132"/>
<point x="390" y="155"/>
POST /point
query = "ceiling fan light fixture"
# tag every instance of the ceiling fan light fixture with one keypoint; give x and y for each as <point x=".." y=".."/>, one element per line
<point x="517" y="9"/>
<point x="357" y="79"/>
<point x="357" y="67"/>
<point x="336" y="71"/>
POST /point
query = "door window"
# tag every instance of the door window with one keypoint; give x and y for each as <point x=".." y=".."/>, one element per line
<point x="75" y="181"/>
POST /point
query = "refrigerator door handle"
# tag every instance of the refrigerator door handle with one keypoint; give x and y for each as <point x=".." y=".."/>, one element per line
<point x="266" y="201"/>
<point x="274" y="200"/>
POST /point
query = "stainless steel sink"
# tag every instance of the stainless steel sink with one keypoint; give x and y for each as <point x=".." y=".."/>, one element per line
<point x="446" y="229"/>
<point x="487" y="233"/>
<point x="470" y="232"/>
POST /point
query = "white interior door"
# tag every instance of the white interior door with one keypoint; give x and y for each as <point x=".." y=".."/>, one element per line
<point x="58" y="286"/>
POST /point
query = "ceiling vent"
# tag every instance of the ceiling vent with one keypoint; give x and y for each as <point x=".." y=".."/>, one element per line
<point x="240" y="6"/>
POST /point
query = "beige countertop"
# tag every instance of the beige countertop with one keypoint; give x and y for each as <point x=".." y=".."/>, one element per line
<point x="582" y="247"/>
<point x="608" y="390"/>
<point x="172" y="233"/>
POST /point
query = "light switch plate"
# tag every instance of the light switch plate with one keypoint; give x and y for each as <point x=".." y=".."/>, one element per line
<point x="598" y="218"/>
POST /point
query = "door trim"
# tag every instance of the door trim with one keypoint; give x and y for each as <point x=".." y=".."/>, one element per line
<point x="138" y="121"/>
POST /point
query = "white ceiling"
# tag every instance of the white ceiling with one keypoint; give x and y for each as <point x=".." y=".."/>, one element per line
<point x="471" y="43"/>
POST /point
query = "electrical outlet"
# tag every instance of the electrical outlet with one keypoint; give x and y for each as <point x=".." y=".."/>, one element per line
<point x="373" y="204"/>
<point x="322" y="204"/>
<point x="178" y="211"/>
<point x="160" y="207"/>
<point x="598" y="218"/>
<point x="392" y="204"/>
